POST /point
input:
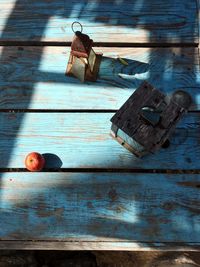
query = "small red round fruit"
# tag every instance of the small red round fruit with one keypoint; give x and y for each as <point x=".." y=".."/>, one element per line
<point x="34" y="162"/>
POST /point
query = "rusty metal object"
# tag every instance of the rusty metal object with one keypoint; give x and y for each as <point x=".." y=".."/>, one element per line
<point x="81" y="45"/>
<point x="147" y="119"/>
<point x="83" y="61"/>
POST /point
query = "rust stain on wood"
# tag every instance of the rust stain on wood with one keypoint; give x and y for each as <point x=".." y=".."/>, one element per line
<point x="90" y="205"/>
<point x="119" y="209"/>
<point x="168" y="206"/>
<point x="154" y="229"/>
<point x="12" y="116"/>
<point x="113" y="195"/>
<point x="47" y="213"/>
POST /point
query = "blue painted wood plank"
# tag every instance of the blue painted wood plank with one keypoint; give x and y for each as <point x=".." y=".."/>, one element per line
<point x="82" y="140"/>
<point x="173" y="21"/>
<point x="137" y="208"/>
<point x="33" y="77"/>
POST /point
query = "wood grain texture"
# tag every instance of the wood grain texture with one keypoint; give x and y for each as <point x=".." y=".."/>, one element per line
<point x="95" y="245"/>
<point x="82" y="140"/>
<point x="149" y="210"/>
<point x="173" y="21"/>
<point x="33" y="77"/>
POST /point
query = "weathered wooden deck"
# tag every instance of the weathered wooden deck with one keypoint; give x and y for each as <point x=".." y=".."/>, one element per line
<point x="93" y="193"/>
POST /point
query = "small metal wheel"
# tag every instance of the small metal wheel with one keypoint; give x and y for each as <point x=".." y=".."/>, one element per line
<point x="182" y="98"/>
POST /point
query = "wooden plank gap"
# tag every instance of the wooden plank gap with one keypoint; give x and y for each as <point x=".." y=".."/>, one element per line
<point x="107" y="170"/>
<point x="68" y="111"/>
<point x="98" y="44"/>
<point x="59" y="110"/>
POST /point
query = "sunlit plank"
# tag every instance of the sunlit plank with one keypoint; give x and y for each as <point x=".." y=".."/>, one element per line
<point x="82" y="140"/>
<point x="173" y="21"/>
<point x="34" y="77"/>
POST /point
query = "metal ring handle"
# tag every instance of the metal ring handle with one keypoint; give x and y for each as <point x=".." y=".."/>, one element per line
<point x="76" y="22"/>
